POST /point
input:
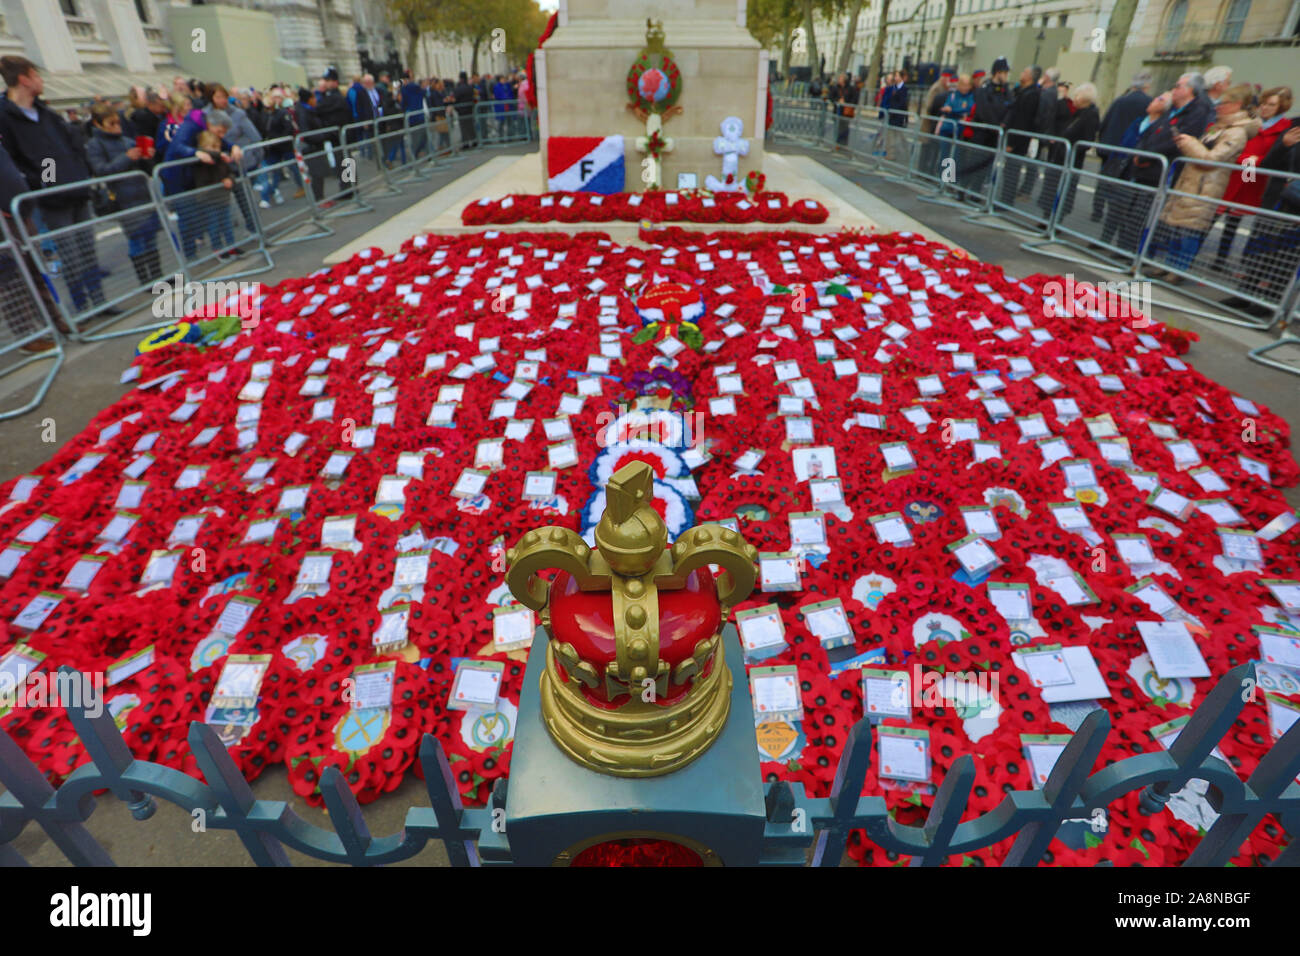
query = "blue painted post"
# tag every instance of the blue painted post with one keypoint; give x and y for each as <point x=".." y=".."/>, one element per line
<point x="850" y="776"/>
<point x="1062" y="788"/>
<point x="1206" y="727"/>
<point x="447" y="810"/>
<point x="946" y="811"/>
<point x="233" y="795"/>
<point x="109" y="753"/>
<point x="30" y="797"/>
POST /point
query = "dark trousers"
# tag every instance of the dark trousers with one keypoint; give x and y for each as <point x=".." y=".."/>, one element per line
<point x="1231" y="222"/>
<point x="973" y="169"/>
<point x="317" y="170"/>
<point x="1013" y="168"/>
<point x="245" y="206"/>
<point x="1126" y="218"/>
<point x="467" y="137"/>
<point x="1271" y="256"/>
<point x="76" y="251"/>
<point x="1051" y="179"/>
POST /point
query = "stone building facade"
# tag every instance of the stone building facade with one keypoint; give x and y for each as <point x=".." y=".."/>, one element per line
<point x="1260" y="39"/>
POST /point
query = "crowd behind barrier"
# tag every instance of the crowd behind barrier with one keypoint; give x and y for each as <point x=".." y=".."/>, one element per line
<point x="78" y="279"/>
<point x="121" y="199"/>
<point x="1236" y="259"/>
<point x="189" y="220"/>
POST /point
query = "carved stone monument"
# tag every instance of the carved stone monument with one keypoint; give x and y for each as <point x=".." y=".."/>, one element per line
<point x="583" y="89"/>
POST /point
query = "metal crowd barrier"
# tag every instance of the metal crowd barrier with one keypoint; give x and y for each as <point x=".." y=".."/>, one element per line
<point x="957" y="167"/>
<point x="212" y="225"/>
<point x="364" y="150"/>
<point x="353" y="165"/>
<point x="283" y="217"/>
<point x="26" y="320"/>
<point x="1027" y="186"/>
<point x="322" y="162"/>
<point x="407" y="156"/>
<point x="94" y="264"/>
<point x="1103" y="216"/>
<point x="1255" y="262"/>
<point x="66" y="267"/>
<point x="806" y="121"/>
<point x="1118" y="221"/>
<point x="1288" y="339"/>
<point x="500" y="127"/>
<point x="896" y="137"/>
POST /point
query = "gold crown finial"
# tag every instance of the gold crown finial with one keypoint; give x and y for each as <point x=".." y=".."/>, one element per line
<point x="627" y="489"/>
<point x="652" y="702"/>
<point x="654" y="34"/>
<point x="631" y="535"/>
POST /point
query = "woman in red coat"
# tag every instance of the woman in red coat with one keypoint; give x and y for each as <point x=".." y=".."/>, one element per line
<point x="1272" y="105"/>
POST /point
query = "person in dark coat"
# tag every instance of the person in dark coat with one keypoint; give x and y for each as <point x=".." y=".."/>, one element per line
<point x="440" y="98"/>
<point x="368" y="108"/>
<point x="1021" y="118"/>
<point x="278" y="159"/>
<point x="1114" y="169"/>
<point x="39" y="142"/>
<point x="314" y="139"/>
<point x="392" y="123"/>
<point x="1081" y="127"/>
<point x="144" y="118"/>
<point x="179" y="180"/>
<point x="992" y="100"/>
<point x="413" y="95"/>
<point x="109" y="153"/>
<point x="213" y="183"/>
<point x="1047" y="122"/>
<point x="22" y="312"/>
<point x="1121" y="114"/>
<point x="935" y="97"/>
<point x="464" y="100"/>
<point x="846" y="104"/>
<point x="333" y="111"/>
<point x="1189" y="112"/>
<point x="502" y="94"/>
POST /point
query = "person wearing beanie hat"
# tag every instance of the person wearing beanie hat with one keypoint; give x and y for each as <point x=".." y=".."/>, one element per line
<point x="333" y="111"/>
<point x="1000" y="65"/>
<point x="992" y="97"/>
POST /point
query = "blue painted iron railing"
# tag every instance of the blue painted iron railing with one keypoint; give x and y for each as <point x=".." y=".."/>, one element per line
<point x="794" y="821"/>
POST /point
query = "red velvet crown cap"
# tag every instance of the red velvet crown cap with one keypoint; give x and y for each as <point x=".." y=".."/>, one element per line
<point x="585" y="619"/>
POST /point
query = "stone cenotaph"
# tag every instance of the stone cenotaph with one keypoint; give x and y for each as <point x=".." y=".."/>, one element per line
<point x="583" y="91"/>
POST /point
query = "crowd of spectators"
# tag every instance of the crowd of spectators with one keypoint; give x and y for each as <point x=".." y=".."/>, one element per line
<point x="1044" y="120"/>
<point x="226" y="134"/>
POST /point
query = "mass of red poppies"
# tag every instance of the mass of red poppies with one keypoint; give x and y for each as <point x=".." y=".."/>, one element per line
<point x="393" y="330"/>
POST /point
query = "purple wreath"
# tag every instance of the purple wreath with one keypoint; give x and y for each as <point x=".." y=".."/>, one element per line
<point x="648" y="380"/>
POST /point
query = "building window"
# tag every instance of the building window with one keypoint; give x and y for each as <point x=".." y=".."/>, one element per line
<point x="69" y="8"/>
<point x="1061" y="22"/>
<point x="142" y="10"/>
<point x="1174" y="24"/>
<point x="1235" y="20"/>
